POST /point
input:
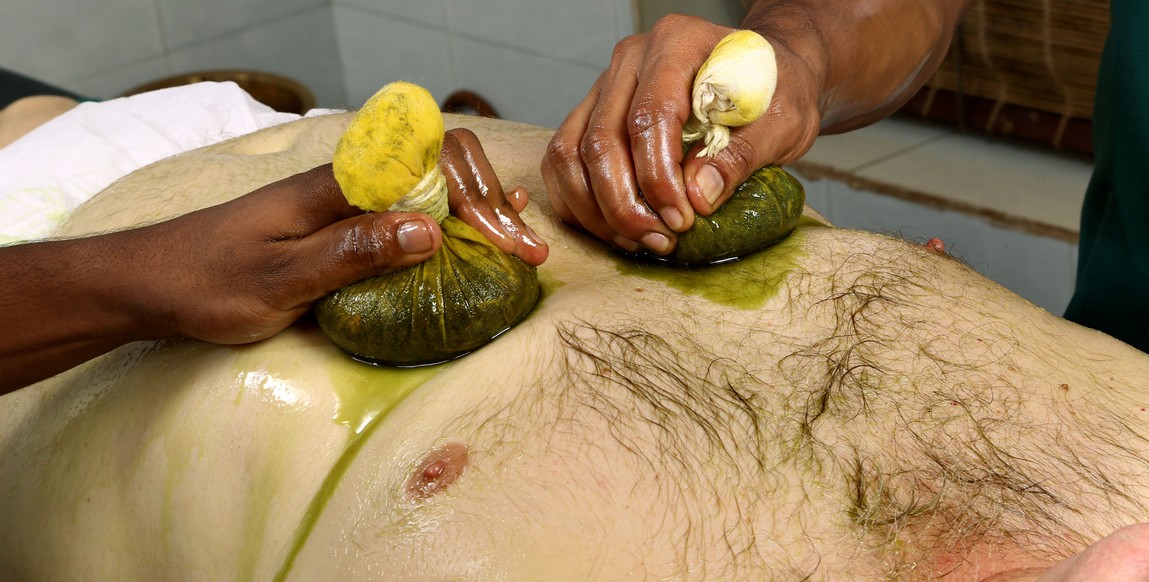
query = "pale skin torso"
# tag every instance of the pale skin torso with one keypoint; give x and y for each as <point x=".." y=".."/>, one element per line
<point x="844" y="406"/>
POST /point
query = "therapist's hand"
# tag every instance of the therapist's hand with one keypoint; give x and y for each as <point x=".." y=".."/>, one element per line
<point x="477" y="197"/>
<point x="260" y="261"/>
<point x="245" y="269"/>
<point x="616" y="168"/>
<point x="233" y="273"/>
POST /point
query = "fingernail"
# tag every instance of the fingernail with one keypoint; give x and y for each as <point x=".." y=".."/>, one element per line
<point x="673" y="218"/>
<point x="710" y="183"/>
<point x="625" y="243"/>
<point x="657" y="242"/>
<point x="534" y="236"/>
<point x="414" y="237"/>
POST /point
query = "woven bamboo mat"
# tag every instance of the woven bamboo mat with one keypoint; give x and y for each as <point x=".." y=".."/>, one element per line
<point x="1022" y="68"/>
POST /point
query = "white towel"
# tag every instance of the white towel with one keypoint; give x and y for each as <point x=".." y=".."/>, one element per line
<point x="47" y="173"/>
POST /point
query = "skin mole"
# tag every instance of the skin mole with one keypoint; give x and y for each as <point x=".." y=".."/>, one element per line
<point x="440" y="467"/>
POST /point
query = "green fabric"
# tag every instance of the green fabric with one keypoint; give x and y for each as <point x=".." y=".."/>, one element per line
<point x="455" y="302"/>
<point x="1113" y="264"/>
<point x="14" y="86"/>
<point x="763" y="209"/>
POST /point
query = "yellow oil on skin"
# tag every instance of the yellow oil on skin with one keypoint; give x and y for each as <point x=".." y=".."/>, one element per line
<point x="746" y="283"/>
<point x="366" y="395"/>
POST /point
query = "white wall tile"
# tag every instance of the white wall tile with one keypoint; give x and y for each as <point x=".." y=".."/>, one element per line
<point x="191" y="21"/>
<point x="582" y="32"/>
<point x="861" y="147"/>
<point x="626" y="19"/>
<point x="817" y="194"/>
<point x="121" y="80"/>
<point x="59" y="41"/>
<point x="1016" y="180"/>
<point x="1037" y="268"/>
<point x="302" y="47"/>
<point x="429" y="13"/>
<point x="520" y="86"/>
<point x="376" y="50"/>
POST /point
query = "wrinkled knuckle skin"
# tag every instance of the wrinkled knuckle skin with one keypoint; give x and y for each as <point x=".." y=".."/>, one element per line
<point x="596" y="145"/>
<point x="562" y="155"/>
<point x="370" y="248"/>
<point x="671" y="23"/>
<point x="624" y="48"/>
<point x="741" y="155"/>
<point x="646" y="117"/>
<point x="625" y="219"/>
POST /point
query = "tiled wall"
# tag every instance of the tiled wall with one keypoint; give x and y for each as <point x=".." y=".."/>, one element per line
<point x="105" y="47"/>
<point x="1039" y="268"/>
<point x="532" y="59"/>
<point x="998" y="186"/>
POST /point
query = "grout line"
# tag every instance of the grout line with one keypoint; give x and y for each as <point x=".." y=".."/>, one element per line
<point x="479" y="39"/>
<point x="816" y="171"/>
<point x="160" y="26"/>
<point x="899" y="152"/>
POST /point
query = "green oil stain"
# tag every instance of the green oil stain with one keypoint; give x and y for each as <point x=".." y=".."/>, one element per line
<point x="366" y="395"/>
<point x="747" y="283"/>
<point x="549" y="281"/>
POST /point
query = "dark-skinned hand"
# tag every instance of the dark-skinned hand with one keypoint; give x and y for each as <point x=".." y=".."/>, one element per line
<point x="233" y="273"/>
<point x="616" y="168"/>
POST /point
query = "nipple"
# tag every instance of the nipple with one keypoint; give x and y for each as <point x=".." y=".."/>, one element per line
<point x="440" y="467"/>
<point x="936" y="245"/>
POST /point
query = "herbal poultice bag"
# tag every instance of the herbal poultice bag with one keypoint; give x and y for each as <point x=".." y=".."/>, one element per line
<point x="734" y="87"/>
<point x="453" y="303"/>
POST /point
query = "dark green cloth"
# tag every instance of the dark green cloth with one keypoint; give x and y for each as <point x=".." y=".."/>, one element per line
<point x="1113" y="264"/>
<point x="14" y="86"/>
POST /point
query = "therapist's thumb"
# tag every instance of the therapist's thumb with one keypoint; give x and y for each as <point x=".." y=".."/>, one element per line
<point x="373" y="244"/>
<point x="710" y="181"/>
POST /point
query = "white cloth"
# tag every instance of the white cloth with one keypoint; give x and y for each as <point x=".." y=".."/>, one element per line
<point x="50" y="171"/>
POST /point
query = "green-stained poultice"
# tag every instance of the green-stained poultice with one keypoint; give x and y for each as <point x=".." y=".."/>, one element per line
<point x="451" y="304"/>
<point x="762" y="210"/>
<point x="746" y="284"/>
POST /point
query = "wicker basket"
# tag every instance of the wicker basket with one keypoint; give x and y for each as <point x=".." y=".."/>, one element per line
<point x="1021" y="68"/>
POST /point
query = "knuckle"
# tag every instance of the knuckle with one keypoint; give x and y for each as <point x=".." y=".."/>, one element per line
<point x="369" y="247"/>
<point x="561" y="152"/>
<point x="597" y="144"/>
<point x="625" y="47"/>
<point x="741" y="155"/>
<point x="648" y="114"/>
<point x="672" y="23"/>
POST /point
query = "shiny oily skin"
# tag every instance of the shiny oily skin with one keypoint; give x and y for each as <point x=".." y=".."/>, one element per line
<point x="745" y="284"/>
<point x="366" y="395"/>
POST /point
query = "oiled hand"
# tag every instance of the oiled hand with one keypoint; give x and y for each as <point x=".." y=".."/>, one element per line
<point x="616" y="168"/>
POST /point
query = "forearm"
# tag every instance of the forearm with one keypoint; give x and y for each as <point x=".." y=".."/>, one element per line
<point x="869" y="56"/>
<point x="65" y="302"/>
